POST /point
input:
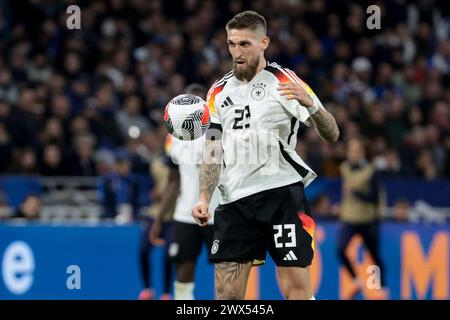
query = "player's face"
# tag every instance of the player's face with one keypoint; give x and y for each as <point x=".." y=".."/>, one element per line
<point x="247" y="49"/>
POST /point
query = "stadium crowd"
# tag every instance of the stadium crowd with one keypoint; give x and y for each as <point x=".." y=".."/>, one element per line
<point x="69" y="99"/>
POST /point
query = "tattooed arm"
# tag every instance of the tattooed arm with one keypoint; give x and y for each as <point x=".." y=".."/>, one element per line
<point x="210" y="169"/>
<point x="209" y="175"/>
<point x="325" y="125"/>
<point x="323" y="122"/>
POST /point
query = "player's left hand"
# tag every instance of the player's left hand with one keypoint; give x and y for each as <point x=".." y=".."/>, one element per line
<point x="293" y="90"/>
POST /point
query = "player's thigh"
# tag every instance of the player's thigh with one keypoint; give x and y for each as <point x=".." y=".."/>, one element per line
<point x="187" y="242"/>
<point x="291" y="236"/>
<point x="295" y="281"/>
<point x="231" y="279"/>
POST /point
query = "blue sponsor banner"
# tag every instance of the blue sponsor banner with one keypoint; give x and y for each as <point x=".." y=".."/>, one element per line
<point x="102" y="262"/>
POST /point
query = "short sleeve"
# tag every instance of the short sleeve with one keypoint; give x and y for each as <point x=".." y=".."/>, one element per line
<point x="214" y="131"/>
<point x="215" y="89"/>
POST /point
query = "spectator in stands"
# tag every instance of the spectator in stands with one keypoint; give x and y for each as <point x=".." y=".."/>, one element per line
<point x="53" y="133"/>
<point x="24" y="121"/>
<point x="118" y="191"/>
<point x="426" y="166"/>
<point x="79" y="126"/>
<point x="131" y="117"/>
<point x="83" y="163"/>
<point x="104" y="162"/>
<point x="389" y="165"/>
<point x="101" y="114"/>
<point x="401" y="210"/>
<point x="5" y="148"/>
<point x="30" y="208"/>
<point x="60" y="108"/>
<point x="52" y="162"/>
<point x="24" y="162"/>
<point x="5" y="114"/>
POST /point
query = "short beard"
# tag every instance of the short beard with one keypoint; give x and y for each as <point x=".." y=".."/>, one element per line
<point x="246" y="74"/>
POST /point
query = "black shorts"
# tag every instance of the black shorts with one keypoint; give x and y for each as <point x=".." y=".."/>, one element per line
<point x="276" y="220"/>
<point x="187" y="241"/>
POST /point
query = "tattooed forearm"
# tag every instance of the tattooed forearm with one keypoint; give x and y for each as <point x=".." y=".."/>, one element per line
<point x="210" y="167"/>
<point x="325" y="125"/>
<point x="209" y="177"/>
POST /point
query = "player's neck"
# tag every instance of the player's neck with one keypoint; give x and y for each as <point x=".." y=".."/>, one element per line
<point x="261" y="66"/>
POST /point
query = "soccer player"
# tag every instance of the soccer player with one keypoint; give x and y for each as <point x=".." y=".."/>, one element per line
<point x="255" y="112"/>
<point x="160" y="174"/>
<point x="183" y="159"/>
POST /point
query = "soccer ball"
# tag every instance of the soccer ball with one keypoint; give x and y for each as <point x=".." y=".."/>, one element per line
<point x="187" y="117"/>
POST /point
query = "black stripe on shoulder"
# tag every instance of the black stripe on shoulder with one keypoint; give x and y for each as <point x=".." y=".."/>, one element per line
<point x="229" y="74"/>
<point x="272" y="69"/>
<point x="223" y="80"/>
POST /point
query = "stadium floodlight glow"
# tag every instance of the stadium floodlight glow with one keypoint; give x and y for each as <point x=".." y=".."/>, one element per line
<point x="134" y="132"/>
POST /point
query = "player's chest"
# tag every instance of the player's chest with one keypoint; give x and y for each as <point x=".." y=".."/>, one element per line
<point x="249" y="106"/>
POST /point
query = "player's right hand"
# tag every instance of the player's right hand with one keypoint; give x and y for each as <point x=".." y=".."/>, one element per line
<point x="201" y="214"/>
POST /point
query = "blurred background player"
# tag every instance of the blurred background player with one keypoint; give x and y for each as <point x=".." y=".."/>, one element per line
<point x="183" y="158"/>
<point x="361" y="208"/>
<point x="161" y="175"/>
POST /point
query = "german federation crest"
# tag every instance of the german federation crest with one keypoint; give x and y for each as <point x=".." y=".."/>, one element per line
<point x="215" y="246"/>
<point x="258" y="92"/>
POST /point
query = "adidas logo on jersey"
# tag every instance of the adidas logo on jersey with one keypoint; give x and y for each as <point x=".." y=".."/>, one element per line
<point x="290" y="256"/>
<point x="227" y="102"/>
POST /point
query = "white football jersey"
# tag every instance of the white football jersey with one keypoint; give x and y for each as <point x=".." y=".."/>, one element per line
<point x="187" y="155"/>
<point x="259" y="133"/>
